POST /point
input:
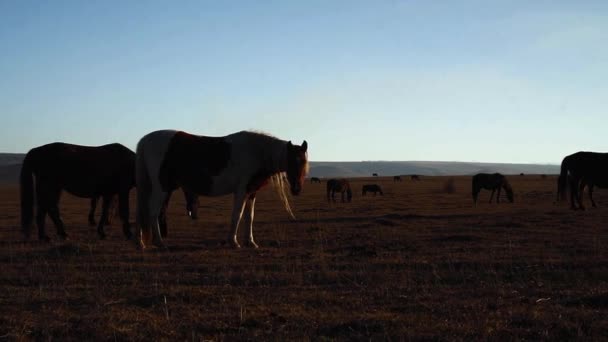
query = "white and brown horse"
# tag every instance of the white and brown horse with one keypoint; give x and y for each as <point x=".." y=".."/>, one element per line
<point x="238" y="164"/>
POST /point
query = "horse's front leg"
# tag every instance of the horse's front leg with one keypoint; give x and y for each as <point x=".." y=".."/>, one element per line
<point x="123" y="212"/>
<point x="498" y="195"/>
<point x="492" y="195"/>
<point x="92" y="212"/>
<point x="249" y="211"/>
<point x="591" y="196"/>
<point x="237" y="213"/>
<point x="104" y="216"/>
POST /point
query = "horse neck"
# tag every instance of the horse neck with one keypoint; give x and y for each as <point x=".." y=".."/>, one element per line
<point x="276" y="156"/>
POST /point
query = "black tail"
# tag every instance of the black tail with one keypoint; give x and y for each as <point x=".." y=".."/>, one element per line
<point x="562" y="180"/>
<point x="27" y="194"/>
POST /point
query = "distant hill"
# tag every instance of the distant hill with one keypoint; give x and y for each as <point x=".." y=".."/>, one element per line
<point x="10" y="164"/>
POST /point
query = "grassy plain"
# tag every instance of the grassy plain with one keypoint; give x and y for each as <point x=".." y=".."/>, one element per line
<point x="416" y="263"/>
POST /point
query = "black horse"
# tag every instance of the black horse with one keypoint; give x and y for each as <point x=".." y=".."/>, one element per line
<point x="375" y="188"/>
<point x="339" y="185"/>
<point x="315" y="180"/>
<point x="415" y="177"/>
<point x="494" y="181"/>
<point x="579" y="170"/>
<point x="84" y="171"/>
<point x="397" y="179"/>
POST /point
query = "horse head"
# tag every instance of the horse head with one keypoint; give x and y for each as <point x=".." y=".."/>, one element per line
<point x="297" y="166"/>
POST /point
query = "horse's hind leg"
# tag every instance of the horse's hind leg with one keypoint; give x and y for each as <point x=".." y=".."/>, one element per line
<point x="162" y="217"/>
<point x="106" y="200"/>
<point x="54" y="214"/>
<point x="591" y="196"/>
<point x="492" y="195"/>
<point x="92" y="212"/>
<point x="40" y="218"/>
<point x="498" y="195"/>
<point x="156" y="201"/>
<point x="123" y="212"/>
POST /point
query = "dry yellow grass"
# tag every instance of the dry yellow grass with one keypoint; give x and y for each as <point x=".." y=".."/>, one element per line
<point x="416" y="263"/>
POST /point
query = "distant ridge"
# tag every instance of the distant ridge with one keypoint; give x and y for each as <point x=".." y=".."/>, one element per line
<point x="10" y="164"/>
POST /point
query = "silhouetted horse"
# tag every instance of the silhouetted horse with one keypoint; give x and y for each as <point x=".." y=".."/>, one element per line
<point x="396" y="179"/>
<point x="580" y="169"/>
<point x="375" y="188"/>
<point x="339" y="185"/>
<point x="374" y="174"/>
<point x="415" y="177"/>
<point x="494" y="181"/>
<point x="315" y="180"/>
<point x="83" y="171"/>
<point x="238" y="164"/>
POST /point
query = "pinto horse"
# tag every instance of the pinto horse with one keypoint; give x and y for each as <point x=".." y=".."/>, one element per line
<point x="339" y="185"/>
<point x="84" y="171"/>
<point x="238" y="164"/>
<point x="494" y="181"/>
<point x="579" y="170"/>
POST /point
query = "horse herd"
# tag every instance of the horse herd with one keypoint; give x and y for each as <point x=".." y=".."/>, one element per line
<point x="239" y="164"/>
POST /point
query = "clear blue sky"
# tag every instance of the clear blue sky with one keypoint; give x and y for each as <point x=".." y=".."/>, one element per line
<point x="496" y="81"/>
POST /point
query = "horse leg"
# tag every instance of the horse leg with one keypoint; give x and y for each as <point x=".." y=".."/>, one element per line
<point x="492" y="195"/>
<point x="191" y="204"/>
<point x="342" y="195"/>
<point x="54" y="214"/>
<point x="591" y="196"/>
<point x="237" y="213"/>
<point x="92" y="212"/>
<point x="162" y="218"/>
<point x="40" y="218"/>
<point x="156" y="201"/>
<point x="498" y="195"/>
<point x="123" y="212"/>
<point x="105" y="204"/>
<point x="579" y="197"/>
<point x="573" y="192"/>
<point x="249" y="212"/>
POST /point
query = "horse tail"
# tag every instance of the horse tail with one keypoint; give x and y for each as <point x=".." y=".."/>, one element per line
<point x="26" y="181"/>
<point x="142" y="179"/>
<point x="562" y="180"/>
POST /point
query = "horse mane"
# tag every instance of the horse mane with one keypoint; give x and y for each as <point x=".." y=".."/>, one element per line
<point x="277" y="179"/>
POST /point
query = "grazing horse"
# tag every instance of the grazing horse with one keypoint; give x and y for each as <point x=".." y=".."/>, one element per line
<point x="374" y="174"/>
<point x="375" y="188"/>
<point x="397" y="179"/>
<point x="315" y="180"/>
<point x="339" y="185"/>
<point x="83" y="171"/>
<point x="415" y="177"/>
<point x="494" y="181"/>
<point x="581" y="169"/>
<point x="238" y="164"/>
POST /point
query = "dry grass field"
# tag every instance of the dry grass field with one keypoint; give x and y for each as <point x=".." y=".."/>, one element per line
<point x="416" y="263"/>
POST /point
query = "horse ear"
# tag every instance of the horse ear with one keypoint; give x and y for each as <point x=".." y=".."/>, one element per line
<point x="305" y="146"/>
<point x="289" y="144"/>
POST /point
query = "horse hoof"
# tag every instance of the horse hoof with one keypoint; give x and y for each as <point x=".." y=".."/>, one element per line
<point x="252" y="244"/>
<point x="44" y="238"/>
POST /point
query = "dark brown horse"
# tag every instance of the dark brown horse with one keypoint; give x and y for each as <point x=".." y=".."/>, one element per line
<point x="315" y="180"/>
<point x="415" y="177"/>
<point x="494" y="181"/>
<point x="83" y="171"/>
<point x="397" y="179"/>
<point x="339" y="185"/>
<point x="579" y="170"/>
<point x="375" y="188"/>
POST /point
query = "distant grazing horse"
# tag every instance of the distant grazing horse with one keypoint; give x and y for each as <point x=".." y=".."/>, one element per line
<point x="83" y="171"/>
<point x="397" y="179"/>
<point x="415" y="177"/>
<point x="375" y="188"/>
<point x="339" y="185"/>
<point x="579" y="170"/>
<point x="238" y="164"/>
<point x="494" y="181"/>
<point x="315" y="180"/>
<point x="374" y="174"/>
